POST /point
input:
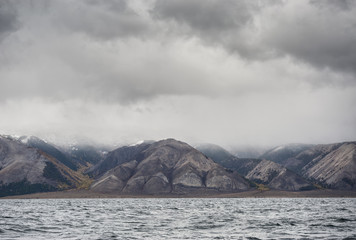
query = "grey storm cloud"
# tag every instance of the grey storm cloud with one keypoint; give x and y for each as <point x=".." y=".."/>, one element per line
<point x="215" y="22"/>
<point x="217" y="70"/>
<point x="8" y="18"/>
<point x="102" y="50"/>
<point x="341" y="4"/>
<point x="320" y="33"/>
<point x="211" y="16"/>
<point x="118" y="51"/>
<point x="102" y="19"/>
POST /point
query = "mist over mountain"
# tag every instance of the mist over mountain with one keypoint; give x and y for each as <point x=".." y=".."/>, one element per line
<point x="50" y="149"/>
<point x="249" y="151"/>
<point x="281" y="154"/>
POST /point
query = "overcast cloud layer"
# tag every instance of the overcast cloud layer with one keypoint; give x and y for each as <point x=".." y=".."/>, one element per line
<point x="221" y="71"/>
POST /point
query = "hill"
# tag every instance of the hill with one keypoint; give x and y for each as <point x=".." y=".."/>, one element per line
<point x="25" y="169"/>
<point x="167" y="166"/>
<point x="330" y="165"/>
<point x="265" y="172"/>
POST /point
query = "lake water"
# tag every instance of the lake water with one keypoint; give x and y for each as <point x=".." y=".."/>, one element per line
<point x="178" y="219"/>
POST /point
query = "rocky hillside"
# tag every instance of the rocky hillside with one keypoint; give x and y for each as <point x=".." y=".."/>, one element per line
<point x="29" y="164"/>
<point x="119" y="156"/>
<point x="275" y="176"/>
<point x="166" y="166"/>
<point x="24" y="169"/>
<point x="266" y="172"/>
<point x="49" y="149"/>
<point x="73" y="156"/>
<point x="335" y="167"/>
<point x="331" y="165"/>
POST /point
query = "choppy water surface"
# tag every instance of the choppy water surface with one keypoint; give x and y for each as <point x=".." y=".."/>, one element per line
<point x="178" y="219"/>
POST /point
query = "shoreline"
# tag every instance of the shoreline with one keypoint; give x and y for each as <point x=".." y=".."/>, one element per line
<point x="72" y="194"/>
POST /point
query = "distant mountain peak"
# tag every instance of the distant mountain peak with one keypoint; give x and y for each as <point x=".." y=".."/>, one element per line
<point x="141" y="142"/>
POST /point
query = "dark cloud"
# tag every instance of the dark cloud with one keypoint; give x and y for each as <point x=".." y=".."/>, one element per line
<point x="8" y="18"/>
<point x="103" y="19"/>
<point x="208" y="17"/>
<point x="322" y="34"/>
<point x="99" y="19"/>
<point x="339" y="5"/>
<point x="216" y="22"/>
<point x="319" y="33"/>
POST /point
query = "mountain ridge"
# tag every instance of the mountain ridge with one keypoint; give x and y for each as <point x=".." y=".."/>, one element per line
<point x="260" y="171"/>
<point x="330" y="165"/>
<point x="30" y="164"/>
<point x="24" y="169"/>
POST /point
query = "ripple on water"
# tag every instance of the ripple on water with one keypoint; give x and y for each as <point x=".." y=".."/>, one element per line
<point x="178" y="219"/>
<point x="342" y="220"/>
<point x="351" y="237"/>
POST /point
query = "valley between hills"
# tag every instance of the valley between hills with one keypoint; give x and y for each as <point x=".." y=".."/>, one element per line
<point x="33" y="168"/>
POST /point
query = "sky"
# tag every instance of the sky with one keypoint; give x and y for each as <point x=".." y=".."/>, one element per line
<point x="220" y="71"/>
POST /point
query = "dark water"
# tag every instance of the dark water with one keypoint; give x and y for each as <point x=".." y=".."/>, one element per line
<point x="178" y="219"/>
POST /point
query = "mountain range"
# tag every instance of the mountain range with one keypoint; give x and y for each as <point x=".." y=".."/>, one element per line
<point x="330" y="165"/>
<point x="30" y="164"/>
<point x="260" y="171"/>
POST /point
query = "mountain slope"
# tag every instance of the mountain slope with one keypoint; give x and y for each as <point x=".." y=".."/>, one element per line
<point x="260" y="171"/>
<point x="276" y="176"/>
<point x="50" y="149"/>
<point x="119" y="156"/>
<point x="334" y="168"/>
<point x="24" y="169"/>
<point x="282" y="153"/>
<point x="315" y="153"/>
<point x="166" y="166"/>
<point x="331" y="165"/>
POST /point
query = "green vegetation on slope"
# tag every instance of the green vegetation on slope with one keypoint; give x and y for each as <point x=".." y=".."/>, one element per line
<point x="23" y="187"/>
